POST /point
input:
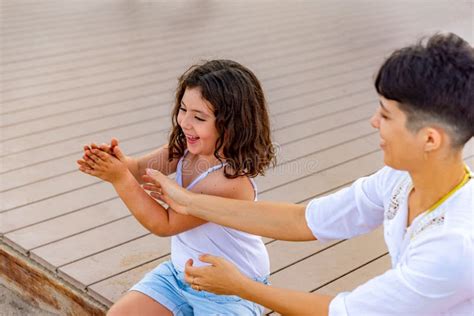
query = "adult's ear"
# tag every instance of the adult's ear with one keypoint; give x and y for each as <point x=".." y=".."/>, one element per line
<point x="434" y="138"/>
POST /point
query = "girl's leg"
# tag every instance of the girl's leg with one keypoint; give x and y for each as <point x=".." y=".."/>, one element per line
<point x="136" y="303"/>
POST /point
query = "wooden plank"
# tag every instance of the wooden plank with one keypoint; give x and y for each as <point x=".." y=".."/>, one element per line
<point x="96" y="41"/>
<point x="112" y="289"/>
<point x="43" y="288"/>
<point x="257" y="54"/>
<point x="64" y="27"/>
<point x="88" y="243"/>
<point x="337" y="61"/>
<point x="323" y="128"/>
<point x="317" y="270"/>
<point x="285" y="253"/>
<point x="114" y="261"/>
<point x="265" y="19"/>
<point x="358" y="277"/>
<point x="318" y="110"/>
<point x="319" y="182"/>
<point x="68" y="225"/>
<point x="80" y="71"/>
<point x="314" y="161"/>
<point x="148" y="35"/>
<point x="56" y="206"/>
<point x="152" y="61"/>
<point x="353" y="279"/>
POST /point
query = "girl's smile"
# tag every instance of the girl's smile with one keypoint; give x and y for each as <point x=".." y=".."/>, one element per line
<point x="191" y="140"/>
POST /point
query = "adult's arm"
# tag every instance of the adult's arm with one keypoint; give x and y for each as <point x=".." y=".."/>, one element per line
<point x="436" y="277"/>
<point x="350" y="212"/>
<point x="284" y="221"/>
<point x="222" y="277"/>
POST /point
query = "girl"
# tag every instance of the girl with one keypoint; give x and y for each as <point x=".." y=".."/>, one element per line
<point x="220" y="140"/>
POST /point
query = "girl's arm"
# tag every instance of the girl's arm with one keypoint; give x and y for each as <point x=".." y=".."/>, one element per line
<point x="155" y="218"/>
<point x="157" y="159"/>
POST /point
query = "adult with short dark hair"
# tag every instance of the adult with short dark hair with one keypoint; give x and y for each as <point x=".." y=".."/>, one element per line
<point x="423" y="197"/>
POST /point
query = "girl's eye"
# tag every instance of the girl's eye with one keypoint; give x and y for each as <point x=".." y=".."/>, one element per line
<point x="384" y="116"/>
<point x="200" y="119"/>
<point x="182" y="109"/>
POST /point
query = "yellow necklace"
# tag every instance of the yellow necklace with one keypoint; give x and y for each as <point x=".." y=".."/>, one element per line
<point x="466" y="178"/>
<point x="424" y="219"/>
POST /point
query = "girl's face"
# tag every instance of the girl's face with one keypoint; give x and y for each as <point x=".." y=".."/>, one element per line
<point x="402" y="148"/>
<point x="197" y="120"/>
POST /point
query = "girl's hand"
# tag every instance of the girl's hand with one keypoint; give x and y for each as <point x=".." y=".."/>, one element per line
<point x="164" y="189"/>
<point x="104" y="147"/>
<point x="110" y="149"/>
<point x="104" y="166"/>
<point x="221" y="277"/>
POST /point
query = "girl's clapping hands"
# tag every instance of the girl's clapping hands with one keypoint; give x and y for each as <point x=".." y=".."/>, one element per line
<point x="103" y="165"/>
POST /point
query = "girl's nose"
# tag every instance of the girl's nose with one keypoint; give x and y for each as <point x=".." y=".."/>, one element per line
<point x="185" y="122"/>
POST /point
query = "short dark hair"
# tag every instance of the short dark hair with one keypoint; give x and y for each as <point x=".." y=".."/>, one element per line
<point x="242" y="120"/>
<point x="433" y="83"/>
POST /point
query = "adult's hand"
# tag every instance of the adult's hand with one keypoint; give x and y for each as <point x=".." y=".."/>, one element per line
<point x="220" y="277"/>
<point x="166" y="190"/>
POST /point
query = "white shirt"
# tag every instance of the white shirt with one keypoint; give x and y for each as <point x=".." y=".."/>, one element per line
<point x="432" y="260"/>
<point x="246" y="251"/>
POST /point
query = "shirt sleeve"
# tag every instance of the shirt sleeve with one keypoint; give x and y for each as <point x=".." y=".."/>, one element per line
<point x="349" y="212"/>
<point x="437" y="276"/>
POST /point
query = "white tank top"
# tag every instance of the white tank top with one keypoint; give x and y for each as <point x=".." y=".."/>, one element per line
<point x="244" y="250"/>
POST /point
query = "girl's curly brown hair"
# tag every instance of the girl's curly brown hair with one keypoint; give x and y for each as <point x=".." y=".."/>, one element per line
<point x="241" y="116"/>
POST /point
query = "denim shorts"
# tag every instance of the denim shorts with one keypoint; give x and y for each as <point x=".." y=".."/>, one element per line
<point x="166" y="285"/>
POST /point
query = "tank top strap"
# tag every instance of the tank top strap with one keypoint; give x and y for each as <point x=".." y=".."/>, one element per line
<point x="204" y="175"/>
<point x="179" y="175"/>
<point x="179" y="169"/>
<point x="255" y="190"/>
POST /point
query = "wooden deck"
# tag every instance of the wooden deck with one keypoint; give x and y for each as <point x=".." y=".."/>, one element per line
<point x="73" y="72"/>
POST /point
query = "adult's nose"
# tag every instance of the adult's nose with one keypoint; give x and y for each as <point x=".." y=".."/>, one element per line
<point x="375" y="120"/>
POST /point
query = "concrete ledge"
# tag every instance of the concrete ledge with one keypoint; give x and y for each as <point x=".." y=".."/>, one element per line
<point x="43" y="288"/>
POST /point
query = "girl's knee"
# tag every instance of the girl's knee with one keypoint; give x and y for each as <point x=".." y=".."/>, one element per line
<point x="137" y="304"/>
<point x="117" y="310"/>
